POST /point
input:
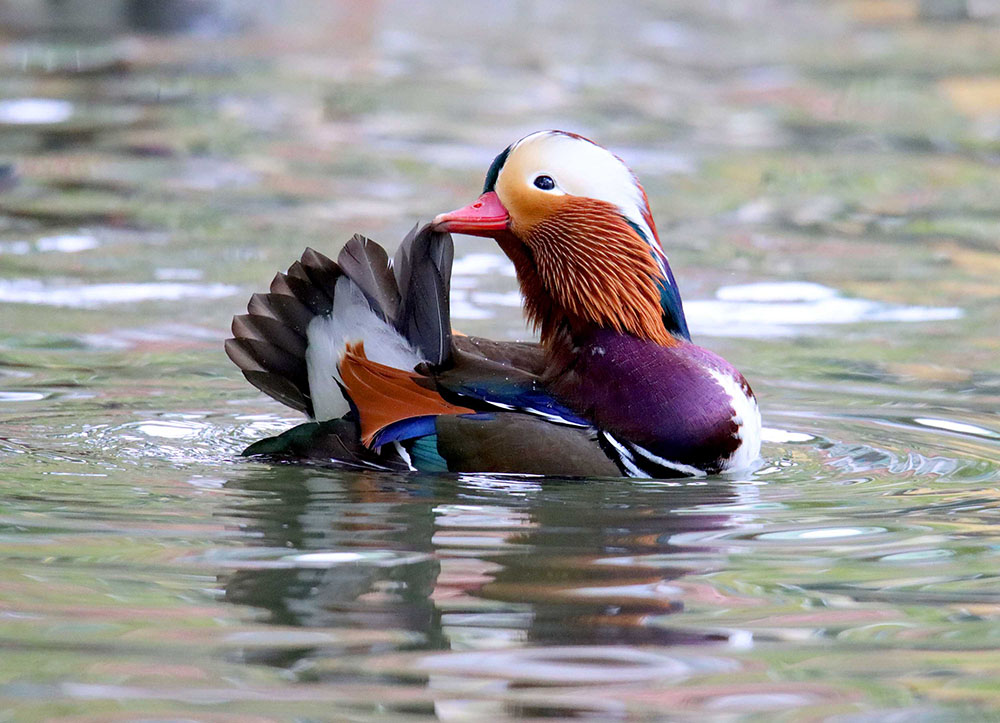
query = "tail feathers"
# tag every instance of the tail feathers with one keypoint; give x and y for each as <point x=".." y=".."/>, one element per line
<point x="264" y="367"/>
<point x="322" y="271"/>
<point x="270" y="342"/>
<point x="283" y="307"/>
<point x="367" y="265"/>
<point x="298" y="284"/>
<point x="291" y="340"/>
<point x="264" y="373"/>
<point x="264" y="328"/>
<point x="280" y="389"/>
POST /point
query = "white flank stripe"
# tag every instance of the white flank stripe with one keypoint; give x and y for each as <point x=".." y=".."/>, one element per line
<point x="676" y="466"/>
<point x="555" y="418"/>
<point x="626" y="457"/>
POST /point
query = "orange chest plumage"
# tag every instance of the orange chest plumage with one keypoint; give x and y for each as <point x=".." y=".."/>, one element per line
<point x="586" y="266"/>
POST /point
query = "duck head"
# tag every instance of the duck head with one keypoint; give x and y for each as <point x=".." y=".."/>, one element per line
<point x="576" y="223"/>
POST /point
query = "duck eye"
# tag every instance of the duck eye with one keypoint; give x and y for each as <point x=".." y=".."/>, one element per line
<point x="545" y="183"/>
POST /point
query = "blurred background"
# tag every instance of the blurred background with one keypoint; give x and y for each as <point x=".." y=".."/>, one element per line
<point x="824" y="176"/>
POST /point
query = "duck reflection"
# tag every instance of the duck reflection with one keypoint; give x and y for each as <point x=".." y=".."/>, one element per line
<point x="600" y="561"/>
<point x="474" y="561"/>
<point x="382" y="587"/>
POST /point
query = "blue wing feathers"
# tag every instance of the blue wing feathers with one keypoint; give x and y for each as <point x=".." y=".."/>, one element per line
<point x="519" y="397"/>
<point x="406" y="429"/>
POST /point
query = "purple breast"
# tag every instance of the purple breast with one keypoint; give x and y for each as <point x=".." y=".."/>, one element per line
<point x="662" y="398"/>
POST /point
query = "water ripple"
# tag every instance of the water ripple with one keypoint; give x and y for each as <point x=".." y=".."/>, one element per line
<point x="90" y="296"/>
<point x="575" y="665"/>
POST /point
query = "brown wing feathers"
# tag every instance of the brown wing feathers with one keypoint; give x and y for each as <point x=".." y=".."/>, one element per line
<point x="269" y="342"/>
<point x="411" y="294"/>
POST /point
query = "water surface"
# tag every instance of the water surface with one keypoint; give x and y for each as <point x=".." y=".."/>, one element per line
<point x="824" y="178"/>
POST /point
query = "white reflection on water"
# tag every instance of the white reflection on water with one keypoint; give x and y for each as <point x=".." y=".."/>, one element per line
<point x="63" y="243"/>
<point x="825" y="533"/>
<point x="476" y="304"/>
<point x="21" y="396"/>
<point x="959" y="427"/>
<point x="774" y="309"/>
<point x="69" y="243"/>
<point x="171" y="430"/>
<point x="160" y="334"/>
<point x="480" y="264"/>
<point x="577" y="665"/>
<point x="764" y="309"/>
<point x="34" y="111"/>
<point x="88" y="296"/>
<point x="172" y="274"/>
<point x="783" y="436"/>
<point x="267" y="558"/>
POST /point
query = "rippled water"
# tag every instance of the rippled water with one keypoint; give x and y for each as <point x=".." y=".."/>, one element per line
<point x="824" y="177"/>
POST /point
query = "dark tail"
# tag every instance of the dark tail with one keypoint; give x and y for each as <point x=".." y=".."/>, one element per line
<point x="410" y="294"/>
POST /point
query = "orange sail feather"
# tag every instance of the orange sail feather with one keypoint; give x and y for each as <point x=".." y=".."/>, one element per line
<point x="385" y="395"/>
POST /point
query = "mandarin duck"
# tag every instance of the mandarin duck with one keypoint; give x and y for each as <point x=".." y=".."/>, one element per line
<point x="613" y="387"/>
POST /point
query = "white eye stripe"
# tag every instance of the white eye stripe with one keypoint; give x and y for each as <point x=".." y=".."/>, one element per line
<point x="582" y="168"/>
